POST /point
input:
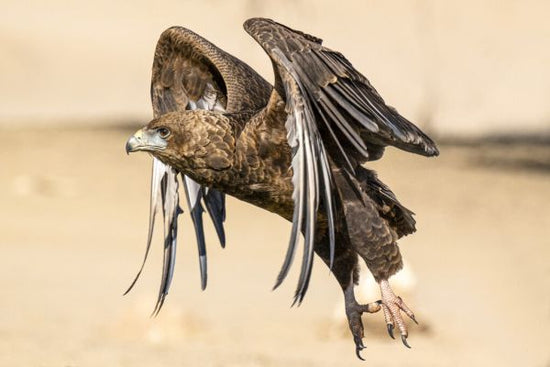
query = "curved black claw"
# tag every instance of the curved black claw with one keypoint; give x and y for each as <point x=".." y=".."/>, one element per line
<point x="404" y="340"/>
<point x="390" y="330"/>
<point x="358" y="353"/>
<point x="353" y="313"/>
<point x="359" y="346"/>
<point x="414" y="319"/>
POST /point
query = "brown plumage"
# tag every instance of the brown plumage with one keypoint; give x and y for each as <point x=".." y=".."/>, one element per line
<point x="296" y="149"/>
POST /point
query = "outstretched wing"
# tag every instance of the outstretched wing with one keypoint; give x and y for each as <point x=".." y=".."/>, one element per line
<point x="335" y="116"/>
<point x="191" y="73"/>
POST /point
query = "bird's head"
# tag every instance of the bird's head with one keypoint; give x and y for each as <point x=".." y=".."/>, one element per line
<point x="187" y="140"/>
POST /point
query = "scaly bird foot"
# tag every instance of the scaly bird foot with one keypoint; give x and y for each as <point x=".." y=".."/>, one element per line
<point x="392" y="306"/>
<point x="354" y="311"/>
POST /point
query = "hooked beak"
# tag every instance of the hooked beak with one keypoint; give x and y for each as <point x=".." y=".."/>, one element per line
<point x="146" y="140"/>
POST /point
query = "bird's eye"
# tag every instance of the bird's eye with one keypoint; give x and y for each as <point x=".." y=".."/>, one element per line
<point x="163" y="132"/>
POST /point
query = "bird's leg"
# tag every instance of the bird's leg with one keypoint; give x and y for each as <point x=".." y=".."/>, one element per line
<point x="354" y="311"/>
<point x="347" y="273"/>
<point x="392" y="306"/>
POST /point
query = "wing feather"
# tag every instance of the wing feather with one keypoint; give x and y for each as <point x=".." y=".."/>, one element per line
<point x="335" y="117"/>
<point x="331" y="82"/>
<point x="158" y="172"/>
<point x="311" y="176"/>
<point x="215" y="205"/>
<point x="193" y="193"/>
<point x="171" y="210"/>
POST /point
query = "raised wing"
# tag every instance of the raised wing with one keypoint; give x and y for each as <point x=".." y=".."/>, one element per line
<point x="335" y="116"/>
<point x="191" y="73"/>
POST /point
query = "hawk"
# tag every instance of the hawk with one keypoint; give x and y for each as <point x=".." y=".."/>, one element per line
<point x="297" y="148"/>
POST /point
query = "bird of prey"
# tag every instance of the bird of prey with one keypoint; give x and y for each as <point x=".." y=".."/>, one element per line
<point x="297" y="149"/>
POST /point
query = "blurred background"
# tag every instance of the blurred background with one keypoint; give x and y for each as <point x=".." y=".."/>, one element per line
<point x="74" y="84"/>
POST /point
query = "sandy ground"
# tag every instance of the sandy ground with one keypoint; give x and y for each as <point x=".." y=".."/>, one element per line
<point x="73" y="218"/>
